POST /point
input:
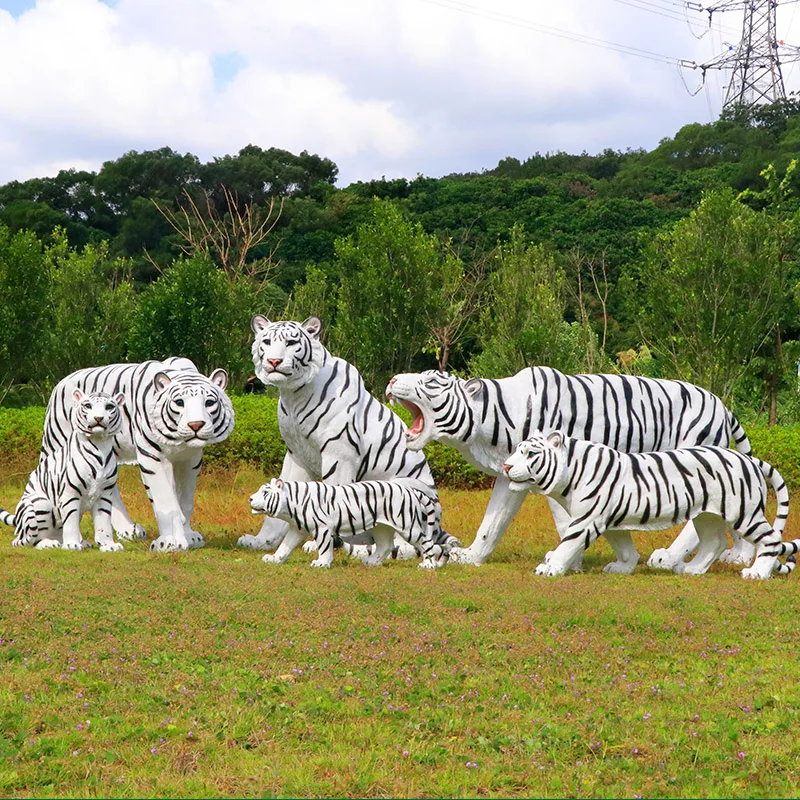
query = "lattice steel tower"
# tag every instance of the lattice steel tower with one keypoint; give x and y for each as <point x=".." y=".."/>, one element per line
<point x="756" y="76"/>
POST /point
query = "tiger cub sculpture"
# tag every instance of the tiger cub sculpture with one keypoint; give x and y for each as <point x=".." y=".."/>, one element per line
<point x="172" y="413"/>
<point x="78" y="477"/>
<point x="327" y="511"/>
<point x="603" y="489"/>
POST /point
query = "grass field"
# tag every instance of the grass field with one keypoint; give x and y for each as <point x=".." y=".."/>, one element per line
<point x="211" y="673"/>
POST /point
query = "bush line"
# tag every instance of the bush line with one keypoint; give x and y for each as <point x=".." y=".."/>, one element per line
<point x="257" y="440"/>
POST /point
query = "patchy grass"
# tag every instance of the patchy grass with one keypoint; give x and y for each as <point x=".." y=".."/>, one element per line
<point x="211" y="673"/>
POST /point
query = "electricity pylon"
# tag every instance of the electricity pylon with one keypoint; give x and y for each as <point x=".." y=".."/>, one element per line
<point x="755" y="62"/>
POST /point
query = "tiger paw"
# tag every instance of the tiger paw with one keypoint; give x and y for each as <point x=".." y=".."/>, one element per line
<point x="319" y="562"/>
<point x="739" y="556"/>
<point x="249" y="542"/>
<point x="47" y="544"/>
<point x="550" y="569"/>
<point x="310" y="546"/>
<point x="271" y="558"/>
<point x="81" y="545"/>
<point x="463" y="555"/>
<point x="762" y="568"/>
<point x="162" y="545"/>
<point x="195" y="540"/>
<point x="135" y="533"/>
<point x="111" y="547"/>
<point x="663" y="559"/>
<point x="620" y="567"/>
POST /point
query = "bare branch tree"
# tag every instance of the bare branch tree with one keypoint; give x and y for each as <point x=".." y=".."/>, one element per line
<point x="226" y="238"/>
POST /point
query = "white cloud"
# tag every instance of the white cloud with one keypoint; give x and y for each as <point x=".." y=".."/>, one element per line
<point x="395" y="87"/>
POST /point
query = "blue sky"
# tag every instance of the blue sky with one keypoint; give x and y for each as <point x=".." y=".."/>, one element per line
<point x="383" y="87"/>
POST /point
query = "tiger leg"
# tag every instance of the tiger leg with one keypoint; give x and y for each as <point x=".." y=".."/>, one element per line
<point x="159" y="479"/>
<point x="273" y="531"/>
<point x="291" y="540"/>
<point x="324" y="541"/>
<point x="103" y="533"/>
<point x="121" y="522"/>
<point x="503" y="507"/>
<point x="576" y="538"/>
<point x="71" y="538"/>
<point x="741" y="551"/>
<point x="384" y="539"/>
<point x="766" y="543"/>
<point x="674" y="555"/>
<point x="710" y="529"/>
<point x="186" y="475"/>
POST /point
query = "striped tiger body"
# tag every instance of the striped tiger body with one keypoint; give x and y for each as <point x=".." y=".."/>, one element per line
<point x="334" y="430"/>
<point x="171" y="412"/>
<point x="603" y="489"/>
<point x="327" y="511"/>
<point x="485" y="419"/>
<point x="80" y="476"/>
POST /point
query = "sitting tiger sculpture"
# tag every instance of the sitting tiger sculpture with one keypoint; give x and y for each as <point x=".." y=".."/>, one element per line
<point x="78" y="477"/>
<point x="335" y="431"/>
<point x="327" y="511"/>
<point x="485" y="419"/>
<point x="603" y="490"/>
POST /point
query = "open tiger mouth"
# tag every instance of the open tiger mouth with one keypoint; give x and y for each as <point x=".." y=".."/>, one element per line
<point x="418" y="419"/>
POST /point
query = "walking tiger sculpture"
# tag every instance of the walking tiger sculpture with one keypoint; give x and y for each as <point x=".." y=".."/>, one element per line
<point x="485" y="419"/>
<point x="73" y="479"/>
<point x="327" y="511"/>
<point x="604" y="489"/>
<point x="334" y="430"/>
<point x="171" y="413"/>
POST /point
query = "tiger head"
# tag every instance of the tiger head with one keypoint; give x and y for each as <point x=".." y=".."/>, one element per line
<point x="190" y="409"/>
<point x="538" y="464"/>
<point x="97" y="414"/>
<point x="270" y="499"/>
<point x="440" y="405"/>
<point x="286" y="354"/>
<point x="33" y="520"/>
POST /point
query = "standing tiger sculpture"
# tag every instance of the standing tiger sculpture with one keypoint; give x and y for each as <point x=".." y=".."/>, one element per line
<point x="78" y="477"/>
<point x="171" y="413"/>
<point x="334" y="430"/>
<point x="604" y="489"/>
<point x="327" y="511"/>
<point x="485" y="420"/>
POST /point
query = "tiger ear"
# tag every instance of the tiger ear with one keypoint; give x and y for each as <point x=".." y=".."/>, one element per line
<point x="120" y="400"/>
<point x="473" y="387"/>
<point x="556" y="439"/>
<point x="312" y="326"/>
<point x="258" y="323"/>
<point x="278" y="483"/>
<point x="219" y="378"/>
<point x="161" y="381"/>
<point x="77" y="395"/>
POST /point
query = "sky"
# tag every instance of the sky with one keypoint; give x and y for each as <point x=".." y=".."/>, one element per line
<point x="384" y="88"/>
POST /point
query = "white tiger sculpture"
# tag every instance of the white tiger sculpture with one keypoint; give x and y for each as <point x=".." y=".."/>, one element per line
<point x="485" y="419"/>
<point x="334" y="430"/>
<point x="75" y="478"/>
<point x="171" y="413"/>
<point x="604" y="489"/>
<point x="327" y="511"/>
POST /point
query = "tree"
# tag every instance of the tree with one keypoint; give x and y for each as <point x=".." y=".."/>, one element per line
<point x="709" y="291"/>
<point x="25" y="290"/>
<point x="523" y="323"/>
<point x="389" y="274"/>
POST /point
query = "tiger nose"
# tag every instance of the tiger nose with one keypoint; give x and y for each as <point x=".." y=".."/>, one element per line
<point x="274" y="362"/>
<point x="506" y="468"/>
<point x="98" y="419"/>
<point x="195" y="426"/>
<point x="392" y="382"/>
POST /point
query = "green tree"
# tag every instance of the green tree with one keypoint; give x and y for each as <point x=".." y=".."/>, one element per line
<point x="192" y="310"/>
<point x="389" y="274"/>
<point x="25" y="293"/>
<point x="709" y="291"/>
<point x="90" y="309"/>
<point x="523" y="323"/>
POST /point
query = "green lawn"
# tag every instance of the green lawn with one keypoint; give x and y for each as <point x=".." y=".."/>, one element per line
<point x="211" y="673"/>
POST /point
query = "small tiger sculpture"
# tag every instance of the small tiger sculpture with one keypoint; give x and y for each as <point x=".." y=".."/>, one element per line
<point x="327" y="511"/>
<point x="603" y="489"/>
<point x="78" y="477"/>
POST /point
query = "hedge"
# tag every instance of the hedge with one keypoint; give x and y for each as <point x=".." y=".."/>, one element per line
<point x="257" y="440"/>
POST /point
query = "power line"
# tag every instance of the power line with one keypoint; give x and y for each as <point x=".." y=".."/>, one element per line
<point x="519" y="22"/>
